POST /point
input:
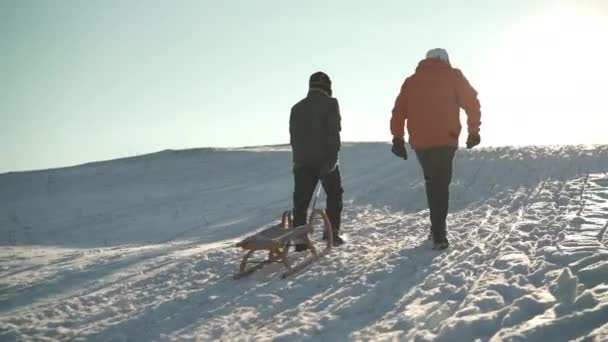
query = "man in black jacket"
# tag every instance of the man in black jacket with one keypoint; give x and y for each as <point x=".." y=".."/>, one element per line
<point x="314" y="128"/>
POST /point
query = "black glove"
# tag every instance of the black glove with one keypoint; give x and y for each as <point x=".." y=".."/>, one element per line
<point x="398" y="148"/>
<point x="328" y="168"/>
<point x="473" y="140"/>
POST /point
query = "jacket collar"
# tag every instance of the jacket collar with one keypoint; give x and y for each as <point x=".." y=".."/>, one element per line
<point x="317" y="90"/>
<point x="432" y="63"/>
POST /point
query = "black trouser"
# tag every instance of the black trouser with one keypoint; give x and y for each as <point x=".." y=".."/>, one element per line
<point x="437" y="168"/>
<point x="305" y="179"/>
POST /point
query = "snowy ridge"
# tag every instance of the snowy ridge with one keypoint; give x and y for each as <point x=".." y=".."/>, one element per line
<point x="141" y="249"/>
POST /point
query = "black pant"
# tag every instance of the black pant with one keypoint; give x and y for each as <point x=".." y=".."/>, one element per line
<point x="305" y="179"/>
<point x="437" y="168"/>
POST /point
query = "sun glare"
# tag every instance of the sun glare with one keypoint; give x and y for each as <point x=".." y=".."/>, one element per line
<point x="547" y="82"/>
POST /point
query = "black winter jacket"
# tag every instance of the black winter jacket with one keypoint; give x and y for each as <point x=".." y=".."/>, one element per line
<point x="314" y="128"/>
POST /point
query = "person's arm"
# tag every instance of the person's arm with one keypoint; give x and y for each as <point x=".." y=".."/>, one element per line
<point x="399" y="113"/>
<point x="467" y="100"/>
<point x="291" y="128"/>
<point x="333" y="129"/>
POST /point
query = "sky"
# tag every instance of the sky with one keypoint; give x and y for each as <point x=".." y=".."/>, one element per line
<point x="83" y="81"/>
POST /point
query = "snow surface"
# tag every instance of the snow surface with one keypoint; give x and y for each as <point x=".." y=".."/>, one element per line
<point x="141" y="249"/>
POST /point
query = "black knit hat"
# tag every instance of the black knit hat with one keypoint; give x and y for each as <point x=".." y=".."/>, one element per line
<point x="320" y="80"/>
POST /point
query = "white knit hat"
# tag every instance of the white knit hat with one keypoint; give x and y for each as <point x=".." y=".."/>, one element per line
<point x="438" y="53"/>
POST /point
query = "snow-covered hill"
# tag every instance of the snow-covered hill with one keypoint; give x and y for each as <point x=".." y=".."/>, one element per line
<point x="141" y="249"/>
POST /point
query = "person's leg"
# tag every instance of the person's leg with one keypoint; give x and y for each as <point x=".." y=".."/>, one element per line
<point x="425" y="160"/>
<point x="305" y="181"/>
<point x="437" y="168"/>
<point x="443" y="177"/>
<point x="332" y="184"/>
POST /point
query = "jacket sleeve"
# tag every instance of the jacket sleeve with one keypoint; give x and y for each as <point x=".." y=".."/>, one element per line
<point x="400" y="113"/>
<point x="291" y="127"/>
<point x="467" y="100"/>
<point x="333" y="129"/>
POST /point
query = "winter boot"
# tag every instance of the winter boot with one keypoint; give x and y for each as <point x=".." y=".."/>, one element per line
<point x="301" y="247"/>
<point x="441" y="245"/>
<point x="337" y="241"/>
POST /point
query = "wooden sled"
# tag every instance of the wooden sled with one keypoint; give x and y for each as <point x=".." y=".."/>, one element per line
<point x="278" y="239"/>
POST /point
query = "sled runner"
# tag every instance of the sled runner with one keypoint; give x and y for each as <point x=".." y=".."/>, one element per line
<point x="277" y="240"/>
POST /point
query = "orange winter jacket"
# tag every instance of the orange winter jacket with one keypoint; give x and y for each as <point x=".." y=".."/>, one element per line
<point x="430" y="102"/>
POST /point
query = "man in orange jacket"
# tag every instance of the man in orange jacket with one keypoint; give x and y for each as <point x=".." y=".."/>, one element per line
<point x="430" y="102"/>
